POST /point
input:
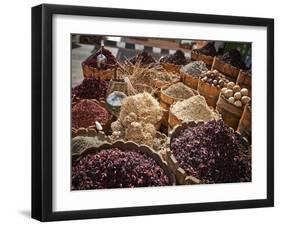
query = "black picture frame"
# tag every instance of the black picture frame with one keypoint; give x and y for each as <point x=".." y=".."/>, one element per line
<point x="42" y="111"/>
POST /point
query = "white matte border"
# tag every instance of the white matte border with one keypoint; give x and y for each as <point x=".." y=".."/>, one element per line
<point x="64" y="199"/>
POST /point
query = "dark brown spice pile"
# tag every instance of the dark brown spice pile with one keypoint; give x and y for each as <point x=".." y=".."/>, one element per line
<point x="143" y="58"/>
<point x="212" y="153"/>
<point x="234" y="58"/>
<point x="91" y="88"/>
<point x="208" y="50"/>
<point x="114" y="168"/>
<point x="177" y="58"/>
<point x="86" y="112"/>
<point x="111" y="61"/>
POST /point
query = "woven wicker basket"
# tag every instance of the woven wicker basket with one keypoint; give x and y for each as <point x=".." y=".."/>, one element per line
<point x="189" y="80"/>
<point x="211" y="93"/>
<point x="208" y="60"/>
<point x="89" y="71"/>
<point x="230" y="113"/>
<point x="174" y="68"/>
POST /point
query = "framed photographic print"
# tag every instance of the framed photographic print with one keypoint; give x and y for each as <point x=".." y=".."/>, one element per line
<point x="146" y="112"/>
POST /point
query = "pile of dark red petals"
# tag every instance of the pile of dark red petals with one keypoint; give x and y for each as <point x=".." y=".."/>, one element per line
<point x="91" y="88"/>
<point x="208" y="50"/>
<point x="177" y="58"/>
<point x="212" y="153"/>
<point x="143" y="58"/>
<point x="85" y="113"/>
<point x="234" y="58"/>
<point x="115" y="168"/>
<point x="111" y="61"/>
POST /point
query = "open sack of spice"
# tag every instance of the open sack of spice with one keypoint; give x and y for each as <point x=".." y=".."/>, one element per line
<point x="139" y="120"/>
<point x="90" y="113"/>
<point x="211" y="152"/>
<point x="194" y="108"/>
<point x="119" y="165"/>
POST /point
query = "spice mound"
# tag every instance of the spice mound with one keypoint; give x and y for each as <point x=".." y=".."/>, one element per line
<point x="138" y="119"/>
<point x="195" y="68"/>
<point x="177" y="58"/>
<point x="110" y="63"/>
<point x="143" y="58"/>
<point x="212" y="153"/>
<point x="234" y="58"/>
<point x="194" y="109"/>
<point x="214" y="78"/>
<point x="81" y="143"/>
<point x="91" y="88"/>
<point x="115" y="168"/>
<point x="208" y="50"/>
<point x="179" y="90"/>
<point x="86" y="113"/>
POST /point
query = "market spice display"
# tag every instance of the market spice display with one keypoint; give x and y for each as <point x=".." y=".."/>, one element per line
<point x="212" y="153"/>
<point x="179" y="90"/>
<point x="86" y="113"/>
<point x="115" y="168"/>
<point x="193" y="109"/>
<point x="183" y="104"/>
